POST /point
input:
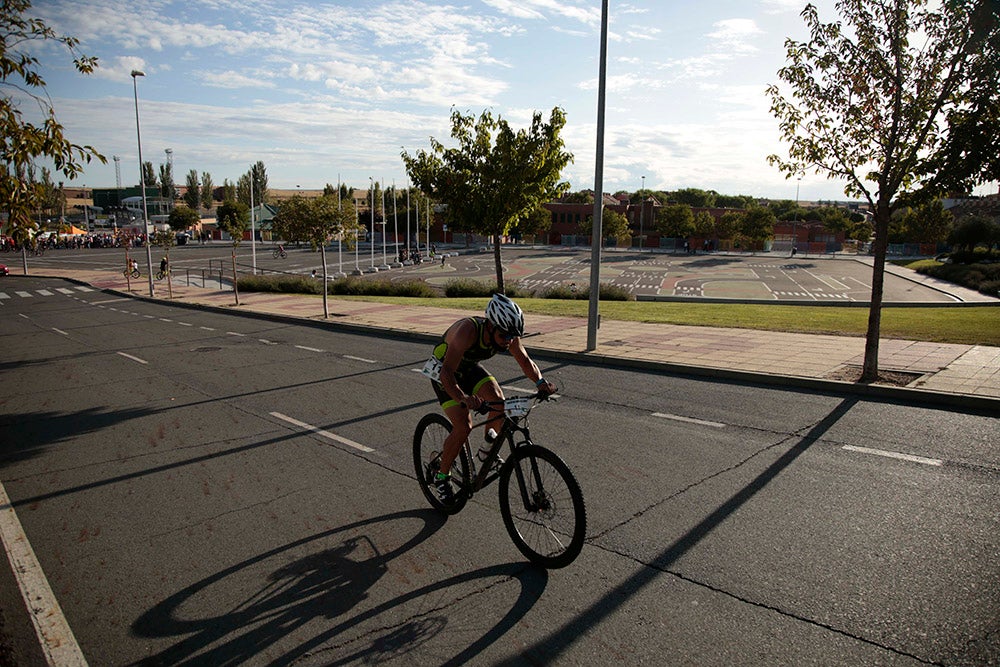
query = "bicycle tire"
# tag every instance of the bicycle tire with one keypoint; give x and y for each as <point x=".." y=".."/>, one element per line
<point x="428" y="442"/>
<point x="550" y="532"/>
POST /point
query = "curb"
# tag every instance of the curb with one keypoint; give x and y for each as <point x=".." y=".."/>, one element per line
<point x="904" y="395"/>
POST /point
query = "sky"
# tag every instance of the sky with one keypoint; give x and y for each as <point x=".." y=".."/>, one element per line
<point x="328" y="92"/>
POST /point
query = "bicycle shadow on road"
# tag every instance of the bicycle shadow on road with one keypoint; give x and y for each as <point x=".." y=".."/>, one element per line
<point x="276" y="612"/>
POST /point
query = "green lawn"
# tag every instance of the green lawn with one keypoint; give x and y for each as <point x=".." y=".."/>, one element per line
<point x="966" y="325"/>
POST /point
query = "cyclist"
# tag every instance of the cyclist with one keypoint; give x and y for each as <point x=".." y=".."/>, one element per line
<point x="163" y="265"/>
<point x="462" y="384"/>
<point x="133" y="265"/>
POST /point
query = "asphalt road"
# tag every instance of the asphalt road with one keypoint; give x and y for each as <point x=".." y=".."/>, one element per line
<point x="763" y="277"/>
<point x="182" y="514"/>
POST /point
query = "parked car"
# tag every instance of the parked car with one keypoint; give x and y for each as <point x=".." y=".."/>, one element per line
<point x="4" y="271"/>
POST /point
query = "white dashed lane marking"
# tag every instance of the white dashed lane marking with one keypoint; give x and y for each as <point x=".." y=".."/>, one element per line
<point x="326" y="434"/>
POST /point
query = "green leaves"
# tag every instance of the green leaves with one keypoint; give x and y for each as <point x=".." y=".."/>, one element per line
<point x="496" y="176"/>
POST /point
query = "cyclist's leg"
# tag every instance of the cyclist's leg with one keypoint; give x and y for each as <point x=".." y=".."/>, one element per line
<point x="489" y="389"/>
<point x="461" y="425"/>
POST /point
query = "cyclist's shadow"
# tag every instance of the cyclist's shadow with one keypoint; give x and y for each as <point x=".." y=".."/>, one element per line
<point x="326" y="584"/>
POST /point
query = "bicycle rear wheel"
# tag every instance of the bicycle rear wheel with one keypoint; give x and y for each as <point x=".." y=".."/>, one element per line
<point x="542" y="507"/>
<point x="428" y="443"/>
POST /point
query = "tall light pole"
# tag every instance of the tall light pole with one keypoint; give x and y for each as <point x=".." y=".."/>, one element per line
<point x="371" y="183"/>
<point x="395" y="225"/>
<point x="642" y="210"/>
<point x="253" y="227"/>
<point x="385" y="264"/>
<point x="142" y="183"/>
<point x="597" y="234"/>
<point x="170" y="173"/>
<point x="796" y="219"/>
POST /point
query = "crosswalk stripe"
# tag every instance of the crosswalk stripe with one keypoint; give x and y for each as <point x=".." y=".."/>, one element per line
<point x="44" y="292"/>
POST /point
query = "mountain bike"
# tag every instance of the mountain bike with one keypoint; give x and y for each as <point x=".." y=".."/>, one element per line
<point x="160" y="275"/>
<point x="131" y="272"/>
<point x="279" y="252"/>
<point x="540" y="499"/>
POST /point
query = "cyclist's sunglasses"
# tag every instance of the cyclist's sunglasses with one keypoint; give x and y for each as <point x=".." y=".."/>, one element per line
<point x="508" y="337"/>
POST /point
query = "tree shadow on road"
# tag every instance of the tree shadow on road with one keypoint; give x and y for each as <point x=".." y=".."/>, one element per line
<point x="552" y="646"/>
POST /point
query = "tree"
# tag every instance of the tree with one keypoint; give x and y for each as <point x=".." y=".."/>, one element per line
<point x="192" y="195"/>
<point x="23" y="141"/>
<point x="675" y="221"/>
<point x="729" y="224"/>
<point x="258" y="177"/>
<point x="535" y="223"/>
<point x="182" y="218"/>
<point x="206" y="189"/>
<point x="695" y="197"/>
<point x="228" y="191"/>
<point x="167" y="182"/>
<point x="233" y="218"/>
<point x="974" y="230"/>
<point x="757" y="226"/>
<point x="883" y="98"/>
<point x="704" y="224"/>
<point x="149" y="178"/>
<point x="927" y="223"/>
<point x="496" y="175"/>
<point x="614" y="225"/>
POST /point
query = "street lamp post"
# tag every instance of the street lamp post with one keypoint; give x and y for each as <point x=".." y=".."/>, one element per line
<point x="642" y="211"/>
<point x="796" y="219"/>
<point x="385" y="263"/>
<point x="142" y="184"/>
<point x="371" y="231"/>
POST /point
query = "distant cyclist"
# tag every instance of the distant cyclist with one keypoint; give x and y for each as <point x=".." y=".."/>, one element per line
<point x="164" y="265"/>
<point x="462" y="384"/>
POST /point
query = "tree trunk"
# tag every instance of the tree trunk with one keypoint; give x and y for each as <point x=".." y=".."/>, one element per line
<point x="870" y="371"/>
<point x="326" y="308"/>
<point x="170" y="285"/>
<point x="501" y="288"/>
<point x="236" y="290"/>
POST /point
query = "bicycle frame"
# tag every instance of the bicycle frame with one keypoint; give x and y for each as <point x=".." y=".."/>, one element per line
<point x="511" y="427"/>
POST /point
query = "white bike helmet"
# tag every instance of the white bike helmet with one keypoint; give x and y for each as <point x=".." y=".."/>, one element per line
<point x="505" y="315"/>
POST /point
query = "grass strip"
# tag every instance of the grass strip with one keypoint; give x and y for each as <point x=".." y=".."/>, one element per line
<point x="962" y="325"/>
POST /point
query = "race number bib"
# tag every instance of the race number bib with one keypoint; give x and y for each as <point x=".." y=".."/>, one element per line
<point x="432" y="369"/>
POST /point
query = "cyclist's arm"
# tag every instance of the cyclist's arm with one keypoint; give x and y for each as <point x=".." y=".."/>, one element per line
<point x="459" y="338"/>
<point x="529" y="367"/>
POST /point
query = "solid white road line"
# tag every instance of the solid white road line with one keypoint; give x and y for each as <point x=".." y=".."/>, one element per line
<point x="367" y="361"/>
<point x="689" y="420"/>
<point x="325" y="434"/>
<point x="895" y="455"/>
<point x="57" y="640"/>
<point x="129" y="356"/>
<point x="60" y="331"/>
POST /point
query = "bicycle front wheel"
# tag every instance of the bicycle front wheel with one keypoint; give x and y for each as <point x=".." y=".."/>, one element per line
<point x="428" y="443"/>
<point x="542" y="507"/>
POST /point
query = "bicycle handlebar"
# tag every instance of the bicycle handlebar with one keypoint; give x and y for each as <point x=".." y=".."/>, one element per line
<point x="484" y="409"/>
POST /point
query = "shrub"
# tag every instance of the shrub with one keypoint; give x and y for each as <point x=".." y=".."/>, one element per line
<point x="289" y="284"/>
<point x="606" y="292"/>
<point x="467" y="287"/>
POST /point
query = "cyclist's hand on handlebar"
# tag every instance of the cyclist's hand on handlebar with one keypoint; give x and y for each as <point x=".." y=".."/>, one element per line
<point x="546" y="390"/>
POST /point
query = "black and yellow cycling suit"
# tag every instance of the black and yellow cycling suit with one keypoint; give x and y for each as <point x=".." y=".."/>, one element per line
<point x="470" y="375"/>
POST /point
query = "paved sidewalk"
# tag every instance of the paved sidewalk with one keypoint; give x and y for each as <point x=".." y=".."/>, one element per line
<point x="949" y="373"/>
